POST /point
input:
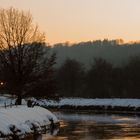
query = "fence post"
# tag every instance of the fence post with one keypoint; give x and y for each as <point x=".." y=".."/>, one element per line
<point x="5" y="104"/>
<point x="11" y="104"/>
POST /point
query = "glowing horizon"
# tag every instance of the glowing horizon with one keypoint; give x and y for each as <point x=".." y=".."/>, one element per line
<point x="83" y="20"/>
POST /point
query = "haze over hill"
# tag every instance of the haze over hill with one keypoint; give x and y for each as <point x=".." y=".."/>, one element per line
<point x="113" y="51"/>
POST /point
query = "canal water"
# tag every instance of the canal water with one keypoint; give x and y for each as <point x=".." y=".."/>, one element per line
<point x="91" y="126"/>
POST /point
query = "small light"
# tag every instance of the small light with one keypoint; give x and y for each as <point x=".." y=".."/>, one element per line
<point x="1" y="83"/>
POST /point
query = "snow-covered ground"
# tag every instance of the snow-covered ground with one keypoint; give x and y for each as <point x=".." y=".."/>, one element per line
<point x="6" y="99"/>
<point x="91" y="102"/>
<point x="21" y="119"/>
<point x="76" y="102"/>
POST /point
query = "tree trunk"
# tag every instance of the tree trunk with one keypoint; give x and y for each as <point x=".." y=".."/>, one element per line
<point x="19" y="100"/>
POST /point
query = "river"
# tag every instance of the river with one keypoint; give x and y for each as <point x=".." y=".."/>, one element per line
<point x="91" y="126"/>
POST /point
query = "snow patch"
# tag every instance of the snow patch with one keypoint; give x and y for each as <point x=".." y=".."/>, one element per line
<point x="91" y="102"/>
<point x="21" y="118"/>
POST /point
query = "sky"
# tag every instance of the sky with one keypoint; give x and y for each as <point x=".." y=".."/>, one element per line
<point x="83" y="20"/>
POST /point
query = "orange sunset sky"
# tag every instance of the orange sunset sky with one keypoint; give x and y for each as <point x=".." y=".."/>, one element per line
<point x="83" y="20"/>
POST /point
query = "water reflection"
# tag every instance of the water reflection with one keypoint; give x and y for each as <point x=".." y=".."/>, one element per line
<point x="87" y="126"/>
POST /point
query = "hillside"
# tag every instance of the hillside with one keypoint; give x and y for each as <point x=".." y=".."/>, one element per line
<point x="85" y="52"/>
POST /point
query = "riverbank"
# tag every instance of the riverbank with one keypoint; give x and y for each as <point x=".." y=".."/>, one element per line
<point x="96" y="105"/>
<point x="22" y="121"/>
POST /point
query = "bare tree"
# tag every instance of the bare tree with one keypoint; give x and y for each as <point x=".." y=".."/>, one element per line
<point x="22" y="51"/>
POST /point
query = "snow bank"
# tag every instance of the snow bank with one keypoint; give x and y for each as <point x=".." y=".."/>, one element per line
<point x="91" y="102"/>
<point x="6" y="100"/>
<point x="22" y="119"/>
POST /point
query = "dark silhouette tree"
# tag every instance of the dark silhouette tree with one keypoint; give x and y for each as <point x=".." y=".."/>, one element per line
<point x="23" y="53"/>
<point x="132" y="77"/>
<point x="118" y="83"/>
<point x="46" y="83"/>
<point x="70" y="78"/>
<point x="99" y="79"/>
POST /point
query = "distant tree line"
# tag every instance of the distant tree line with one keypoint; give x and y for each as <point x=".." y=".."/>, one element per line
<point x="113" y="51"/>
<point x="102" y="80"/>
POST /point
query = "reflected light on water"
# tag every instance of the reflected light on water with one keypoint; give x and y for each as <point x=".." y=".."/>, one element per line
<point x="78" y="132"/>
<point x="49" y="137"/>
<point x="120" y="118"/>
<point x="63" y="124"/>
<point x="126" y="138"/>
<point x="95" y="127"/>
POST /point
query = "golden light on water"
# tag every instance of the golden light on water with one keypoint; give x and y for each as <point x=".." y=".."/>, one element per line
<point x="127" y="138"/>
